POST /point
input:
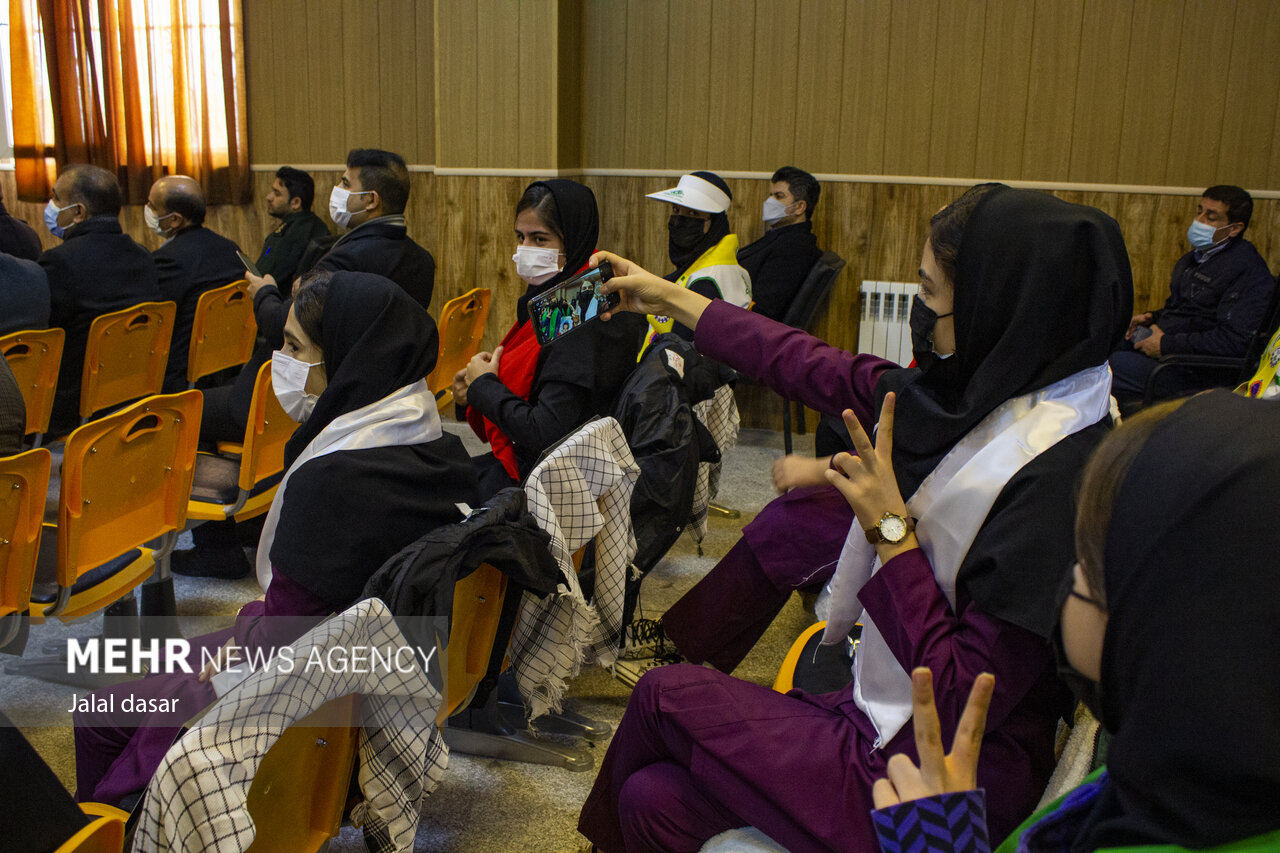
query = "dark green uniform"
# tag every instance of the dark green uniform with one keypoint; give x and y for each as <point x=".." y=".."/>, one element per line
<point x="283" y="248"/>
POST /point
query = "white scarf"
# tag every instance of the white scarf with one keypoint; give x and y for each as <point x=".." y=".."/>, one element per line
<point x="405" y="417"/>
<point x="951" y="504"/>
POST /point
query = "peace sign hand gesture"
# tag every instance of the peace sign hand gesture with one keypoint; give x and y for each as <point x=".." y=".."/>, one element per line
<point x="937" y="773"/>
<point x="867" y="480"/>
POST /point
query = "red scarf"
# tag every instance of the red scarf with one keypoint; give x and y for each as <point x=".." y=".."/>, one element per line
<point x="516" y="370"/>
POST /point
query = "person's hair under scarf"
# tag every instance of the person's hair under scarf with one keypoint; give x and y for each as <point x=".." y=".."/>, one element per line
<point x="1191" y="657"/>
<point x="580" y="229"/>
<point x="376" y="339"/>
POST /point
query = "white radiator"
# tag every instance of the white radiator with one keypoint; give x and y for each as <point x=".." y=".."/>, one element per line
<point x="886" y="313"/>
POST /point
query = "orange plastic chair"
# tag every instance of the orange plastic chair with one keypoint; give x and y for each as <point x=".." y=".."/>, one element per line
<point x="104" y="834"/>
<point x="125" y="356"/>
<point x="300" y="790"/>
<point x="223" y="486"/>
<point x="222" y="332"/>
<point x="35" y="356"/>
<point x="477" y="607"/>
<point x="24" y="479"/>
<point x="461" y="328"/>
<point x="125" y="482"/>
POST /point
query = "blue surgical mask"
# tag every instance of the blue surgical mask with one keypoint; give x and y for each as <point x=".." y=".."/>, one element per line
<point x="51" y="213"/>
<point x="1201" y="236"/>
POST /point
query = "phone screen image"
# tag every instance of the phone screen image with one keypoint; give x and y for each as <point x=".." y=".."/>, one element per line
<point x="568" y="305"/>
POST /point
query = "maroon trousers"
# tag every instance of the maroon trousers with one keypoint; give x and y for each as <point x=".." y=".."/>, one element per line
<point x="792" y="544"/>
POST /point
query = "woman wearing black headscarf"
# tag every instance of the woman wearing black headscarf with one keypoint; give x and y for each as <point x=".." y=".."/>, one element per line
<point x="367" y="472"/>
<point x="963" y="522"/>
<point x="522" y="398"/>
<point x="1175" y="537"/>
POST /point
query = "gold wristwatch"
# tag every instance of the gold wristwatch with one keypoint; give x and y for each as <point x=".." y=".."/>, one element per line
<point x="891" y="528"/>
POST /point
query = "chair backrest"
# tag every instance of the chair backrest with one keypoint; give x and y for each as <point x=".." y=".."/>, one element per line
<point x="461" y="328"/>
<point x="300" y="789"/>
<point x="24" y="479"/>
<point x="222" y="332"/>
<point x="34" y="356"/>
<point x="125" y="355"/>
<point x="266" y="432"/>
<point x="126" y="479"/>
<point x="477" y="608"/>
<point x="815" y="291"/>
<point x="1266" y="330"/>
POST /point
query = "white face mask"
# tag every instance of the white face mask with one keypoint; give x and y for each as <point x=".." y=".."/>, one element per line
<point x="338" y="206"/>
<point x="773" y="211"/>
<point x="153" y="221"/>
<point x="536" y="265"/>
<point x="289" y="381"/>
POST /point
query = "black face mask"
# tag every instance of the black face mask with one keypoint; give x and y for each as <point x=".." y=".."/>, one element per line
<point x="684" y="235"/>
<point x="1084" y="688"/>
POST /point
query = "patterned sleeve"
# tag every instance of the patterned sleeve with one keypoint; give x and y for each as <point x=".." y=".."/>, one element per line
<point x="946" y="823"/>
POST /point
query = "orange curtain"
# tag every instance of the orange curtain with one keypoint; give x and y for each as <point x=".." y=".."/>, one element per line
<point x="144" y="88"/>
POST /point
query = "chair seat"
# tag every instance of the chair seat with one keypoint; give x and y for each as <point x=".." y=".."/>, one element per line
<point x="44" y="590"/>
<point x="216" y="479"/>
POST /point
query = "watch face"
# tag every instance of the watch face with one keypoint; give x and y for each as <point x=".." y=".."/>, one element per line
<point x="893" y="528"/>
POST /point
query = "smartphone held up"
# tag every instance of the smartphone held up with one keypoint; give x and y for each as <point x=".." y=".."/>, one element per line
<point x="565" y="307"/>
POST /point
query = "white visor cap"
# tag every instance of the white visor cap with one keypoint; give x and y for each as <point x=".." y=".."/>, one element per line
<point x="696" y="194"/>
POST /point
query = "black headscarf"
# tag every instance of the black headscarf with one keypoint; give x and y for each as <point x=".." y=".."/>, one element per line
<point x="347" y="512"/>
<point x="1191" y="656"/>
<point x="580" y="222"/>
<point x="684" y="258"/>
<point x="376" y="339"/>
<point x="1043" y="290"/>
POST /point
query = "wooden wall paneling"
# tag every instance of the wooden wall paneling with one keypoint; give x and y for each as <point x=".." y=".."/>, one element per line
<point x="1195" y="133"/>
<point x="1250" y="117"/>
<point x="816" y="130"/>
<point x="1006" y="67"/>
<point x="745" y="210"/>
<point x="535" y="116"/>
<point x="361" y="98"/>
<point x="569" y="84"/>
<point x="1150" y="90"/>
<point x="259" y="65"/>
<point x="294" y="96"/>
<point x="457" y="92"/>
<point x="773" y="103"/>
<point x="325" y="135"/>
<point x="957" y="85"/>
<point x="420" y="217"/>
<point x="397" y="84"/>
<point x="456" y="270"/>
<point x="864" y="87"/>
<point x="496" y="199"/>
<point x="644" y="143"/>
<point x="500" y="87"/>
<point x="424" y="69"/>
<point x="690" y="86"/>
<point x="1051" y="96"/>
<point x="1264" y="231"/>
<point x="733" y="67"/>
<point x="912" y="57"/>
<point x="605" y="94"/>
<point x="1100" y="91"/>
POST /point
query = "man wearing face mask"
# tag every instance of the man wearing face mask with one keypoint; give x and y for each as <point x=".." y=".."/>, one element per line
<point x="192" y="259"/>
<point x="1218" y="296"/>
<point x="96" y="270"/>
<point x="705" y="254"/>
<point x="780" y="261"/>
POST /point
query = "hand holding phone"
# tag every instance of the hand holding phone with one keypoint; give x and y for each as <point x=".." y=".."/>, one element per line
<point x="248" y="264"/>
<point x="570" y="304"/>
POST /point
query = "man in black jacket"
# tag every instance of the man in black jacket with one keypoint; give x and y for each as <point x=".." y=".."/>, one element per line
<point x="96" y="270"/>
<point x="289" y="201"/>
<point x="24" y="295"/>
<point x="192" y="260"/>
<point x="1218" y="297"/>
<point x="780" y="261"/>
<point x="17" y="238"/>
